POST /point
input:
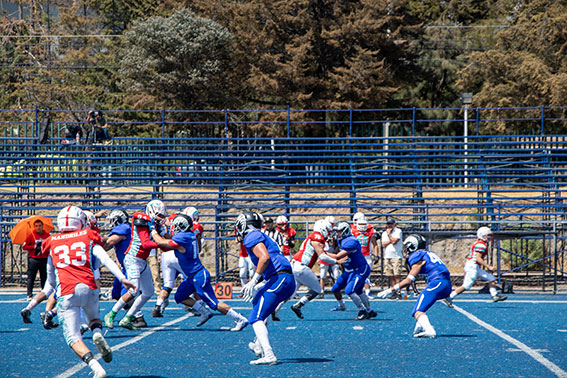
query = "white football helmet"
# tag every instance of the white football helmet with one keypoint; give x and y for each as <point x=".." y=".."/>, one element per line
<point x="71" y="218"/>
<point x="342" y="230"/>
<point x="156" y="210"/>
<point x="282" y="221"/>
<point x="322" y="227"/>
<point x="362" y="224"/>
<point x="357" y="216"/>
<point x="484" y="233"/>
<point x="192" y="212"/>
<point x="331" y="220"/>
<point x="91" y="219"/>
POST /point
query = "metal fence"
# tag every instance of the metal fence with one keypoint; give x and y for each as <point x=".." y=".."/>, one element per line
<point x="442" y="186"/>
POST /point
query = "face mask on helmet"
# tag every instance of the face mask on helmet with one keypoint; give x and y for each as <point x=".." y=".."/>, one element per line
<point x="246" y="222"/>
<point x="484" y="233"/>
<point x="321" y="227"/>
<point x="156" y="210"/>
<point x="362" y="225"/>
<point x="414" y="242"/>
<point x="192" y="212"/>
<point x="342" y="230"/>
<point x="91" y="219"/>
<point x="71" y="218"/>
<point x="116" y="217"/>
<point x="181" y="223"/>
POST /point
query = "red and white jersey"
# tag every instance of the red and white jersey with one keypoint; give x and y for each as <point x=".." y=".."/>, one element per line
<point x="243" y="252"/>
<point x="197" y="229"/>
<point x="479" y="247"/>
<point x="72" y="256"/>
<point x="307" y="254"/>
<point x="140" y="244"/>
<point x="364" y="238"/>
<point x="288" y="237"/>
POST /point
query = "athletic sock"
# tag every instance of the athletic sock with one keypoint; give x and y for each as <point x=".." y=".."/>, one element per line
<point x="453" y="294"/>
<point x="365" y="301"/>
<point x="159" y="301"/>
<point x="198" y="306"/>
<point x="32" y="304"/>
<point x="493" y="291"/>
<point x="357" y="301"/>
<point x="118" y="306"/>
<point x="235" y="316"/>
<point x="423" y="320"/>
<point x="261" y="332"/>
<point x="341" y="302"/>
<point x="303" y="301"/>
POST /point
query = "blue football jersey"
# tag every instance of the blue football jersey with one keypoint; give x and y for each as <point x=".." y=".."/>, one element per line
<point x="433" y="266"/>
<point x="189" y="261"/>
<point x="277" y="260"/>
<point x="120" y="248"/>
<point x="355" y="258"/>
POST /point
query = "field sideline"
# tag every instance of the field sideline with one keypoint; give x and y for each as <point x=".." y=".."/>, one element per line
<point x="522" y="337"/>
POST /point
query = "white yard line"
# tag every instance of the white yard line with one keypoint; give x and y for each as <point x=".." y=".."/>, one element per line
<point x="78" y="367"/>
<point x="523" y="347"/>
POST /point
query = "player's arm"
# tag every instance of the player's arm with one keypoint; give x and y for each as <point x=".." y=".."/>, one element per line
<point x="105" y="260"/>
<point x="323" y="256"/>
<point x="166" y="244"/>
<point x="112" y="240"/>
<point x="51" y="278"/>
<point x="29" y="243"/>
<point x="410" y="278"/>
<point x="374" y="246"/>
<point x="480" y="261"/>
<point x="261" y="253"/>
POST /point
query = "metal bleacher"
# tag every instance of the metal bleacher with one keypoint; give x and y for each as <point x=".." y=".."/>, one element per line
<point x="444" y="187"/>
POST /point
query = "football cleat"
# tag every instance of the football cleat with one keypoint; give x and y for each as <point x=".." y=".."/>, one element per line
<point x="140" y="322"/>
<point x="109" y="319"/>
<point x="266" y="360"/>
<point x="26" y="314"/>
<point x="102" y="346"/>
<point x="297" y="309"/>
<point x="339" y="308"/>
<point x="156" y="312"/>
<point x="362" y="315"/>
<point x="257" y="349"/>
<point x="449" y="302"/>
<point x="47" y="320"/>
<point x="128" y="323"/>
<point x="499" y="298"/>
<point x="240" y="325"/>
<point x="275" y="317"/>
<point x="425" y="334"/>
<point x="372" y="314"/>
<point x="205" y="316"/>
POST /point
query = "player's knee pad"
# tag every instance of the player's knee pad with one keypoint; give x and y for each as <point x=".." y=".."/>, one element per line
<point x="95" y="324"/>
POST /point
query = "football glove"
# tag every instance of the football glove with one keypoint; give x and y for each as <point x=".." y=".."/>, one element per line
<point x="384" y="293"/>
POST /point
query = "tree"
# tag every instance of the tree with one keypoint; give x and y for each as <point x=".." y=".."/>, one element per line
<point x="181" y="61"/>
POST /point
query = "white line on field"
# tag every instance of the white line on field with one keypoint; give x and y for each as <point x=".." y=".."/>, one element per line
<point x="523" y="347"/>
<point x="78" y="367"/>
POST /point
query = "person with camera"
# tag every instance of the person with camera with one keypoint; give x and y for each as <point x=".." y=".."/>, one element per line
<point x="37" y="260"/>
<point x="96" y="120"/>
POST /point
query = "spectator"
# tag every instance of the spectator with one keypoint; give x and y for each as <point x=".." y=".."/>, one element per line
<point x="73" y="134"/>
<point x="37" y="259"/>
<point x="100" y="127"/>
<point x="393" y="253"/>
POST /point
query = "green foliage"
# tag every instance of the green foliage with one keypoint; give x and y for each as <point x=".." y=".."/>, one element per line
<point x="181" y="61"/>
<point x="531" y="248"/>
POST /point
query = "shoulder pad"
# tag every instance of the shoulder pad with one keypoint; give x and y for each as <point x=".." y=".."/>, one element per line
<point x="140" y="219"/>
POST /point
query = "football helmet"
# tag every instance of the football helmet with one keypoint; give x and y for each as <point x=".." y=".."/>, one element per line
<point x="71" y="218"/>
<point x="414" y="242"/>
<point x="246" y="222"/>
<point x="181" y="223"/>
<point x="116" y="217"/>
<point x="342" y="230"/>
<point x="192" y="212"/>
<point x="358" y="215"/>
<point x="91" y="219"/>
<point x="362" y="224"/>
<point x="331" y="220"/>
<point x="282" y="222"/>
<point x="322" y="227"/>
<point x="484" y="233"/>
<point x="156" y="210"/>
